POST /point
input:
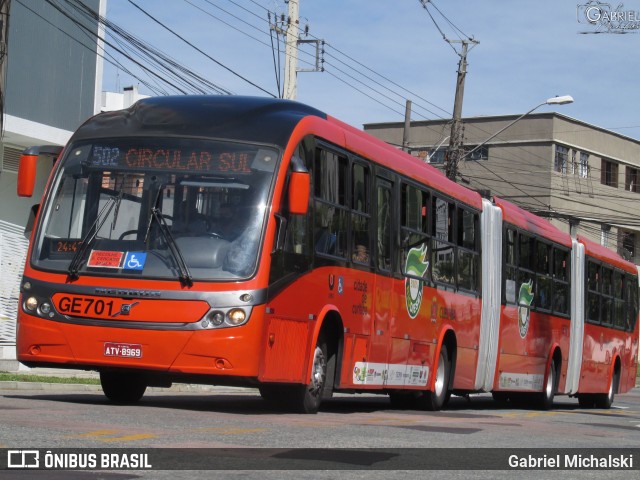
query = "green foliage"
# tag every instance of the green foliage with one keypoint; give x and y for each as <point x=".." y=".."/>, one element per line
<point x="21" y="377"/>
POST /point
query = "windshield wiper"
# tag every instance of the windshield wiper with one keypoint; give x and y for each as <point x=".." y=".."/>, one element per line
<point x="92" y="233"/>
<point x="185" y="274"/>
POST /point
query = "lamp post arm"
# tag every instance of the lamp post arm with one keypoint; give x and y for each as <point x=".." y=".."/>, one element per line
<point x="501" y="130"/>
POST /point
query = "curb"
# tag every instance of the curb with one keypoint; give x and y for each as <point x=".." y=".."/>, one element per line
<point x="12" y="385"/>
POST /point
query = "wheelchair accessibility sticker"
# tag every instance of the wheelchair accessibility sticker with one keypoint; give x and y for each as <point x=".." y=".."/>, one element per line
<point x="134" y="261"/>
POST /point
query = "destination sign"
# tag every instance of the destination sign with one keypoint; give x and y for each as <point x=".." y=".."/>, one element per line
<point x="171" y="159"/>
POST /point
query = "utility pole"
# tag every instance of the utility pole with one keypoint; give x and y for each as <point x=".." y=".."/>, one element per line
<point x="290" y="29"/>
<point x="4" y="37"/>
<point x="456" y="150"/>
<point x="407" y="126"/>
<point x="291" y="51"/>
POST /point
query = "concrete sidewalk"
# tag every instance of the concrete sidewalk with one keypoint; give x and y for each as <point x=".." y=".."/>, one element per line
<point x="13" y="366"/>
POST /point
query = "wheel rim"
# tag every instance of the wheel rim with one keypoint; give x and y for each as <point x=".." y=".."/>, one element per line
<point x="439" y="387"/>
<point x="317" y="372"/>
<point x="549" y="387"/>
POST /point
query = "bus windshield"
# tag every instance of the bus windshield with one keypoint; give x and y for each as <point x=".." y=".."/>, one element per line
<point x="167" y="208"/>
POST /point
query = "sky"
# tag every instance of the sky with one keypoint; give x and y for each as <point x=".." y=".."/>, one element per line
<point x="380" y="53"/>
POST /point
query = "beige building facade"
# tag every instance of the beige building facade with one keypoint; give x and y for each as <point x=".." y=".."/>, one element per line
<point x="583" y="177"/>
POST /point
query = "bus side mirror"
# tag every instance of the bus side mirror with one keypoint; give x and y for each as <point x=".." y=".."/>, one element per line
<point x="28" y="167"/>
<point x="27" y="174"/>
<point x="299" y="190"/>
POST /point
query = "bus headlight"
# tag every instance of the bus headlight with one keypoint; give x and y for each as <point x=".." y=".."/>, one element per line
<point x="237" y="316"/>
<point x="216" y="318"/>
<point x="225" y="318"/>
<point x="31" y="304"/>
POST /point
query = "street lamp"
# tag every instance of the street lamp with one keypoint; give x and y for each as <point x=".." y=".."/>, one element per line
<point x="562" y="100"/>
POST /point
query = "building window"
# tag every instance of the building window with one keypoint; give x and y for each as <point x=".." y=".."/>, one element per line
<point x="561" y="160"/>
<point x="609" y="173"/>
<point x="627" y="243"/>
<point x="583" y="168"/>
<point x="437" y="156"/>
<point x="476" y="153"/>
<point x="631" y="178"/>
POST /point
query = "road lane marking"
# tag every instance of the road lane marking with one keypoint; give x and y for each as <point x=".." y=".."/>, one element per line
<point x="126" y="438"/>
<point x="97" y="433"/>
<point x="231" y="431"/>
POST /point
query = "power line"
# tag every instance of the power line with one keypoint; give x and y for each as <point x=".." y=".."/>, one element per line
<point x="200" y="51"/>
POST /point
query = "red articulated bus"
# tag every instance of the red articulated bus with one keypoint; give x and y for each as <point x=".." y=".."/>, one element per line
<point x="260" y="242"/>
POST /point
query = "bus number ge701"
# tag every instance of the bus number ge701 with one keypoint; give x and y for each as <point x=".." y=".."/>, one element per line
<point x="86" y="306"/>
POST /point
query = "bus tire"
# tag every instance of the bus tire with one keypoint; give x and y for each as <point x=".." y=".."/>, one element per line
<point x="271" y="393"/>
<point x="586" y="400"/>
<point x="545" y="399"/>
<point x="438" y="398"/>
<point x="309" y="397"/>
<point x="605" y="400"/>
<point x="123" y="387"/>
<point x="501" y="398"/>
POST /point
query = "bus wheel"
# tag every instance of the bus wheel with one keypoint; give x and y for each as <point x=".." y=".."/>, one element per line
<point x="271" y="393"/>
<point x="545" y="399"/>
<point x="586" y="400"/>
<point x="501" y="398"/>
<point x="438" y="398"/>
<point x="123" y="387"/>
<point x="605" y="400"/>
<point x="310" y="396"/>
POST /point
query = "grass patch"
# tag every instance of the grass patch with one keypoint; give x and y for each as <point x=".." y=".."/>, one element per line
<point x="22" y="377"/>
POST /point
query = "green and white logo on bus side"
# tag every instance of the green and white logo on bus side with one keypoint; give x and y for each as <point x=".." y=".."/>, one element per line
<point x="525" y="298"/>
<point x="416" y="265"/>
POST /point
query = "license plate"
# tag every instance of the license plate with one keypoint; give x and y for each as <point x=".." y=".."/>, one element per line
<point x="124" y="350"/>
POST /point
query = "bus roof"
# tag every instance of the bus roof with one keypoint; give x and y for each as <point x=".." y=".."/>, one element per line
<point x="531" y="223"/>
<point x="606" y="255"/>
<point x="251" y="119"/>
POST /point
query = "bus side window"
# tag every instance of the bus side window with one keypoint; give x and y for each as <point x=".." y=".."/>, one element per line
<point x="510" y="267"/>
<point x="606" y="308"/>
<point x="525" y="284"/>
<point x="631" y="299"/>
<point x="468" y="261"/>
<point x="593" y="292"/>
<point x="414" y="228"/>
<point x="360" y="214"/>
<point x="442" y="254"/>
<point x="383" y="237"/>
<point x="618" y="300"/>
<point x="543" y="278"/>
<point x="330" y="203"/>
<point x="560" y="281"/>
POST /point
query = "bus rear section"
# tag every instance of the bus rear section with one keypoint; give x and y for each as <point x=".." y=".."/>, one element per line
<point x="568" y="320"/>
<point x="610" y="345"/>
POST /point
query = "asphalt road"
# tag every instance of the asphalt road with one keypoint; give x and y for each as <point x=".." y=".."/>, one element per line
<point x="222" y="418"/>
